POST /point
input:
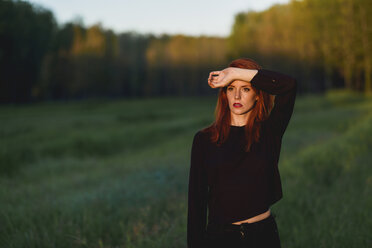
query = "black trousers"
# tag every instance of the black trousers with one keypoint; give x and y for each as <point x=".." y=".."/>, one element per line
<point x="260" y="234"/>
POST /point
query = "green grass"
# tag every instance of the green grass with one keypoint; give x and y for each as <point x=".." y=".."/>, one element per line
<point x="114" y="173"/>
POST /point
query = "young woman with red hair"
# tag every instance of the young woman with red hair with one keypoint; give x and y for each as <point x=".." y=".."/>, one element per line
<point x="234" y="162"/>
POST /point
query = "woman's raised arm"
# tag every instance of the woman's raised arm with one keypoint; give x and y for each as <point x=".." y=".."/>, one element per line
<point x="226" y="76"/>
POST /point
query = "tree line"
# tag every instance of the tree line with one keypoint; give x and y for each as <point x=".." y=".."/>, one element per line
<point x="324" y="44"/>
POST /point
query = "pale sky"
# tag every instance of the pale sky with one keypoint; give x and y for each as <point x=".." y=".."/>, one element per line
<point x="189" y="17"/>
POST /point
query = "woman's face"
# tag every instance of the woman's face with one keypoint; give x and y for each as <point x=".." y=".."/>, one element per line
<point x="241" y="97"/>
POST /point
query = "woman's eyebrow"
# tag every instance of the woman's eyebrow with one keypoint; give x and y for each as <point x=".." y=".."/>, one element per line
<point x="246" y="85"/>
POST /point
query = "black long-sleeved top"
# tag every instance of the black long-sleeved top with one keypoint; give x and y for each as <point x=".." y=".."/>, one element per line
<point x="231" y="183"/>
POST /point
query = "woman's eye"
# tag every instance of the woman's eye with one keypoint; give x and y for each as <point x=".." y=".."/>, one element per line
<point x="246" y="89"/>
<point x="229" y="88"/>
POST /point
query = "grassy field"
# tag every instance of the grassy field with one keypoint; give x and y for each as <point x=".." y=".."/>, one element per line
<point x="115" y="173"/>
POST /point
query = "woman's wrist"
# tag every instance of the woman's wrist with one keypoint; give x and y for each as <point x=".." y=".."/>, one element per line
<point x="244" y="74"/>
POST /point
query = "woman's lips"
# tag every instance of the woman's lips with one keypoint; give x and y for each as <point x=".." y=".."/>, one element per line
<point x="237" y="105"/>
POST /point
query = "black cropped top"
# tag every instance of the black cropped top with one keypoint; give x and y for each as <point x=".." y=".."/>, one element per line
<point x="233" y="184"/>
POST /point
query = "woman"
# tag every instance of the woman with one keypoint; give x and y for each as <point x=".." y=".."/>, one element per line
<point x="234" y="162"/>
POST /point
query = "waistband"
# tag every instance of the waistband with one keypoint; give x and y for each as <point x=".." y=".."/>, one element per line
<point x="239" y="227"/>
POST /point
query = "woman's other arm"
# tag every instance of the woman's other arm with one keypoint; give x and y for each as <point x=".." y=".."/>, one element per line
<point x="197" y="195"/>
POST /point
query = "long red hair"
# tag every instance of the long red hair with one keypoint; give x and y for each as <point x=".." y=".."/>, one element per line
<point x="220" y="128"/>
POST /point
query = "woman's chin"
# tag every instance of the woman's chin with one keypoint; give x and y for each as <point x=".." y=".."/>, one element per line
<point x="239" y="112"/>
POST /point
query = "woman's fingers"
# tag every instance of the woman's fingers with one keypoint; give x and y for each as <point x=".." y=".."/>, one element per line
<point x="214" y="79"/>
<point x="210" y="83"/>
<point x="214" y="74"/>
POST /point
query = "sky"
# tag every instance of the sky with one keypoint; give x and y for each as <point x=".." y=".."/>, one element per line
<point x="189" y="17"/>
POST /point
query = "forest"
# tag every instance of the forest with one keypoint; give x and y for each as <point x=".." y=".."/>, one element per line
<point x="324" y="44"/>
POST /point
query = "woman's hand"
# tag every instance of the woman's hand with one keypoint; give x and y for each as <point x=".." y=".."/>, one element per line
<point x="221" y="78"/>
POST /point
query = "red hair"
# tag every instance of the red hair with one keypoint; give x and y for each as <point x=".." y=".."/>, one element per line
<point x="220" y="128"/>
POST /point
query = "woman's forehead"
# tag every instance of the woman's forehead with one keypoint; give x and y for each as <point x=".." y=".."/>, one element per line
<point x="240" y="83"/>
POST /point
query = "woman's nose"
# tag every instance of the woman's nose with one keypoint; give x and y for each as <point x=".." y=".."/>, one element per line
<point x="237" y="94"/>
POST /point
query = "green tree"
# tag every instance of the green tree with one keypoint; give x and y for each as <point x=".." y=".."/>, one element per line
<point x="25" y="35"/>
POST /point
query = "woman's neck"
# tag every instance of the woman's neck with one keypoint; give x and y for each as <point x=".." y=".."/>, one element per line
<point x="239" y="120"/>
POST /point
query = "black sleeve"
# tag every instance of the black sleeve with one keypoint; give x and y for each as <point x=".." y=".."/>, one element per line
<point x="284" y="88"/>
<point x="197" y="195"/>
